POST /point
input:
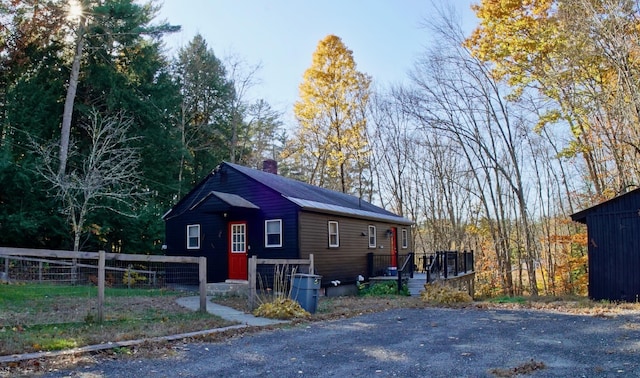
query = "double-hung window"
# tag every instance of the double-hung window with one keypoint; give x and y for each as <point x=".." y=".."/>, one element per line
<point x="193" y="236"/>
<point x="405" y="238"/>
<point x="273" y="233"/>
<point x="334" y="236"/>
<point x="372" y="236"/>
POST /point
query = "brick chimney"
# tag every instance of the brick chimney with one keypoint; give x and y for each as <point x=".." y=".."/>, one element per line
<point x="270" y="166"/>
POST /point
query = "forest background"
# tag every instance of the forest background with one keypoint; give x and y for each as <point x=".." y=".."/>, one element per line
<point x="496" y="137"/>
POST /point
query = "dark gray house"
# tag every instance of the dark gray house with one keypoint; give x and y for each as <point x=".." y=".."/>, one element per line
<point x="613" y="238"/>
<point x="237" y="212"/>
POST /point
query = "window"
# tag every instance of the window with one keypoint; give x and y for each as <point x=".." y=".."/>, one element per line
<point x="193" y="236"/>
<point x="372" y="237"/>
<point x="405" y="238"/>
<point x="238" y="238"/>
<point x="334" y="237"/>
<point x="273" y="233"/>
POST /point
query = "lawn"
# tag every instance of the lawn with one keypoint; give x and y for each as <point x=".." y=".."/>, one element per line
<point x="43" y="317"/>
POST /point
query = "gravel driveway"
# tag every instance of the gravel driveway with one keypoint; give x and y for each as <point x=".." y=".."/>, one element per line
<point x="409" y="343"/>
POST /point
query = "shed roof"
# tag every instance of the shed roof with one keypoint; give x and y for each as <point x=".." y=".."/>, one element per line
<point x="581" y="216"/>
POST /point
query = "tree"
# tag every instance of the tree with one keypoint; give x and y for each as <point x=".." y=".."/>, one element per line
<point x="583" y="55"/>
<point x="122" y="69"/>
<point x="107" y="177"/>
<point x="207" y="111"/>
<point x="456" y="98"/>
<point x="330" y="142"/>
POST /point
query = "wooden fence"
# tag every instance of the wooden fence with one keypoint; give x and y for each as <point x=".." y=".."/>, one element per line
<point x="253" y="272"/>
<point x="102" y="257"/>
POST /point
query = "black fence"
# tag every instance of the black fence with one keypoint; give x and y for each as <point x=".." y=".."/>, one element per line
<point x="381" y="265"/>
<point x="445" y="264"/>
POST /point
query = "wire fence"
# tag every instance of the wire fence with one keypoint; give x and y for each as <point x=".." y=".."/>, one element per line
<point x="45" y="286"/>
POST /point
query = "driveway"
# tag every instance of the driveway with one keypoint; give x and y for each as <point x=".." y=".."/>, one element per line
<point x="408" y="343"/>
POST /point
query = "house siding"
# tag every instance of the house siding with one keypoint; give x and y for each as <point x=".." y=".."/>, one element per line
<point x="346" y="262"/>
<point x="304" y="230"/>
<point x="214" y="225"/>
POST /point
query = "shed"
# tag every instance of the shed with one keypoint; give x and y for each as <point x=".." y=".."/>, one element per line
<point x="237" y="212"/>
<point x="613" y="238"/>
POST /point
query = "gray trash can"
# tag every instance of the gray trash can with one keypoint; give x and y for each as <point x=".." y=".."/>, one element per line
<point x="305" y="290"/>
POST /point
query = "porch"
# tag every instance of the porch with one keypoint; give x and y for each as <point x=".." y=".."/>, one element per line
<point x="454" y="268"/>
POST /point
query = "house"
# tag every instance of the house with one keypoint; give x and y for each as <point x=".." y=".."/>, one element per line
<point x="613" y="238"/>
<point x="238" y="212"/>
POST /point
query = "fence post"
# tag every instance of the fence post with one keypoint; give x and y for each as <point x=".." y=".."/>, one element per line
<point x="101" y="277"/>
<point x="6" y="268"/>
<point x="370" y="264"/>
<point x="456" y="261"/>
<point x="202" y="273"/>
<point x="312" y="268"/>
<point x="253" y="263"/>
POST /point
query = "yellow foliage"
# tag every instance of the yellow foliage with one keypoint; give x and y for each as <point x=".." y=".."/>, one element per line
<point x="281" y="308"/>
<point x="331" y="138"/>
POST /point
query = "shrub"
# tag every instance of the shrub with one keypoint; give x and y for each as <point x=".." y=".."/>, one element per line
<point x="281" y="308"/>
<point x="384" y="288"/>
<point x="276" y="303"/>
<point x="437" y="293"/>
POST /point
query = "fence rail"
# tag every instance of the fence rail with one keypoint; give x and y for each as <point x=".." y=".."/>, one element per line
<point x="255" y="262"/>
<point x="446" y="264"/>
<point x="50" y="265"/>
<point x="381" y="265"/>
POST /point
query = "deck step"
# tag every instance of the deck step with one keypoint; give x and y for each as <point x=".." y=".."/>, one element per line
<point x="416" y="284"/>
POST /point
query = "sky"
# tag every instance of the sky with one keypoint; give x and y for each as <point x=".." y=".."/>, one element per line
<point x="386" y="36"/>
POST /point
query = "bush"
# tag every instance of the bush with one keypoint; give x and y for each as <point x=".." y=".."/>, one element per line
<point x="384" y="288"/>
<point x="281" y="308"/>
<point x="437" y="293"/>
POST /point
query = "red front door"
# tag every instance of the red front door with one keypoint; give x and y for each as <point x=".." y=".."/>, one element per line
<point x="394" y="247"/>
<point x="238" y="250"/>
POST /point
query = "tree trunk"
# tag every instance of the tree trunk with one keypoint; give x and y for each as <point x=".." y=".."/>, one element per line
<point x="71" y="95"/>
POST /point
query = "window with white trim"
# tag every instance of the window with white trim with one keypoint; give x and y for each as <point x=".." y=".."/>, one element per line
<point x="405" y="238"/>
<point x="273" y="233"/>
<point x="334" y="236"/>
<point x="372" y="237"/>
<point x="193" y="236"/>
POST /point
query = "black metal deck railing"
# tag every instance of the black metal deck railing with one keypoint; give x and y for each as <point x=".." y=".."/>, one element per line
<point x="445" y="264"/>
<point x="382" y="265"/>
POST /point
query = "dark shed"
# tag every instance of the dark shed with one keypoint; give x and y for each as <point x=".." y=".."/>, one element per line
<point x="613" y="238"/>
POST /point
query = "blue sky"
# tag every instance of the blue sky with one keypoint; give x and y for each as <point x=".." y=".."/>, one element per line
<point x="385" y="36"/>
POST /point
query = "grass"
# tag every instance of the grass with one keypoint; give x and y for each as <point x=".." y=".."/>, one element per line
<point x="41" y="317"/>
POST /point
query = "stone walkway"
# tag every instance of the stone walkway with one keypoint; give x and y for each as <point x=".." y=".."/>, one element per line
<point x="227" y="313"/>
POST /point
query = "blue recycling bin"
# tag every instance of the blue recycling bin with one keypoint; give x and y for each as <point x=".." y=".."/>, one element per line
<point x="305" y="289"/>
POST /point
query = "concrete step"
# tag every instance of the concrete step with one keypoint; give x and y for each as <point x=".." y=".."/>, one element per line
<point x="229" y="288"/>
<point x="415" y="285"/>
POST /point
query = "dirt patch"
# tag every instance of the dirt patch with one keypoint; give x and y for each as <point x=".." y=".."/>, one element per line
<point x="529" y="367"/>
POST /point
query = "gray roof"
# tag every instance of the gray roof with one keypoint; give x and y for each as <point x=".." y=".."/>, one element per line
<point x="314" y="198"/>
<point x="233" y="200"/>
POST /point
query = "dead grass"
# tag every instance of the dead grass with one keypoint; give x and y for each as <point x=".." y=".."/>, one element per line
<point x="328" y="309"/>
<point x="574" y="305"/>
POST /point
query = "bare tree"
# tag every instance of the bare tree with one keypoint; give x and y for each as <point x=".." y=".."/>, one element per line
<point x="102" y="176"/>
<point x="456" y="98"/>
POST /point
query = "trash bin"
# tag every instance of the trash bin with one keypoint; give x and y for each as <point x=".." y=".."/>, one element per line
<point x="392" y="271"/>
<point x="305" y="290"/>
